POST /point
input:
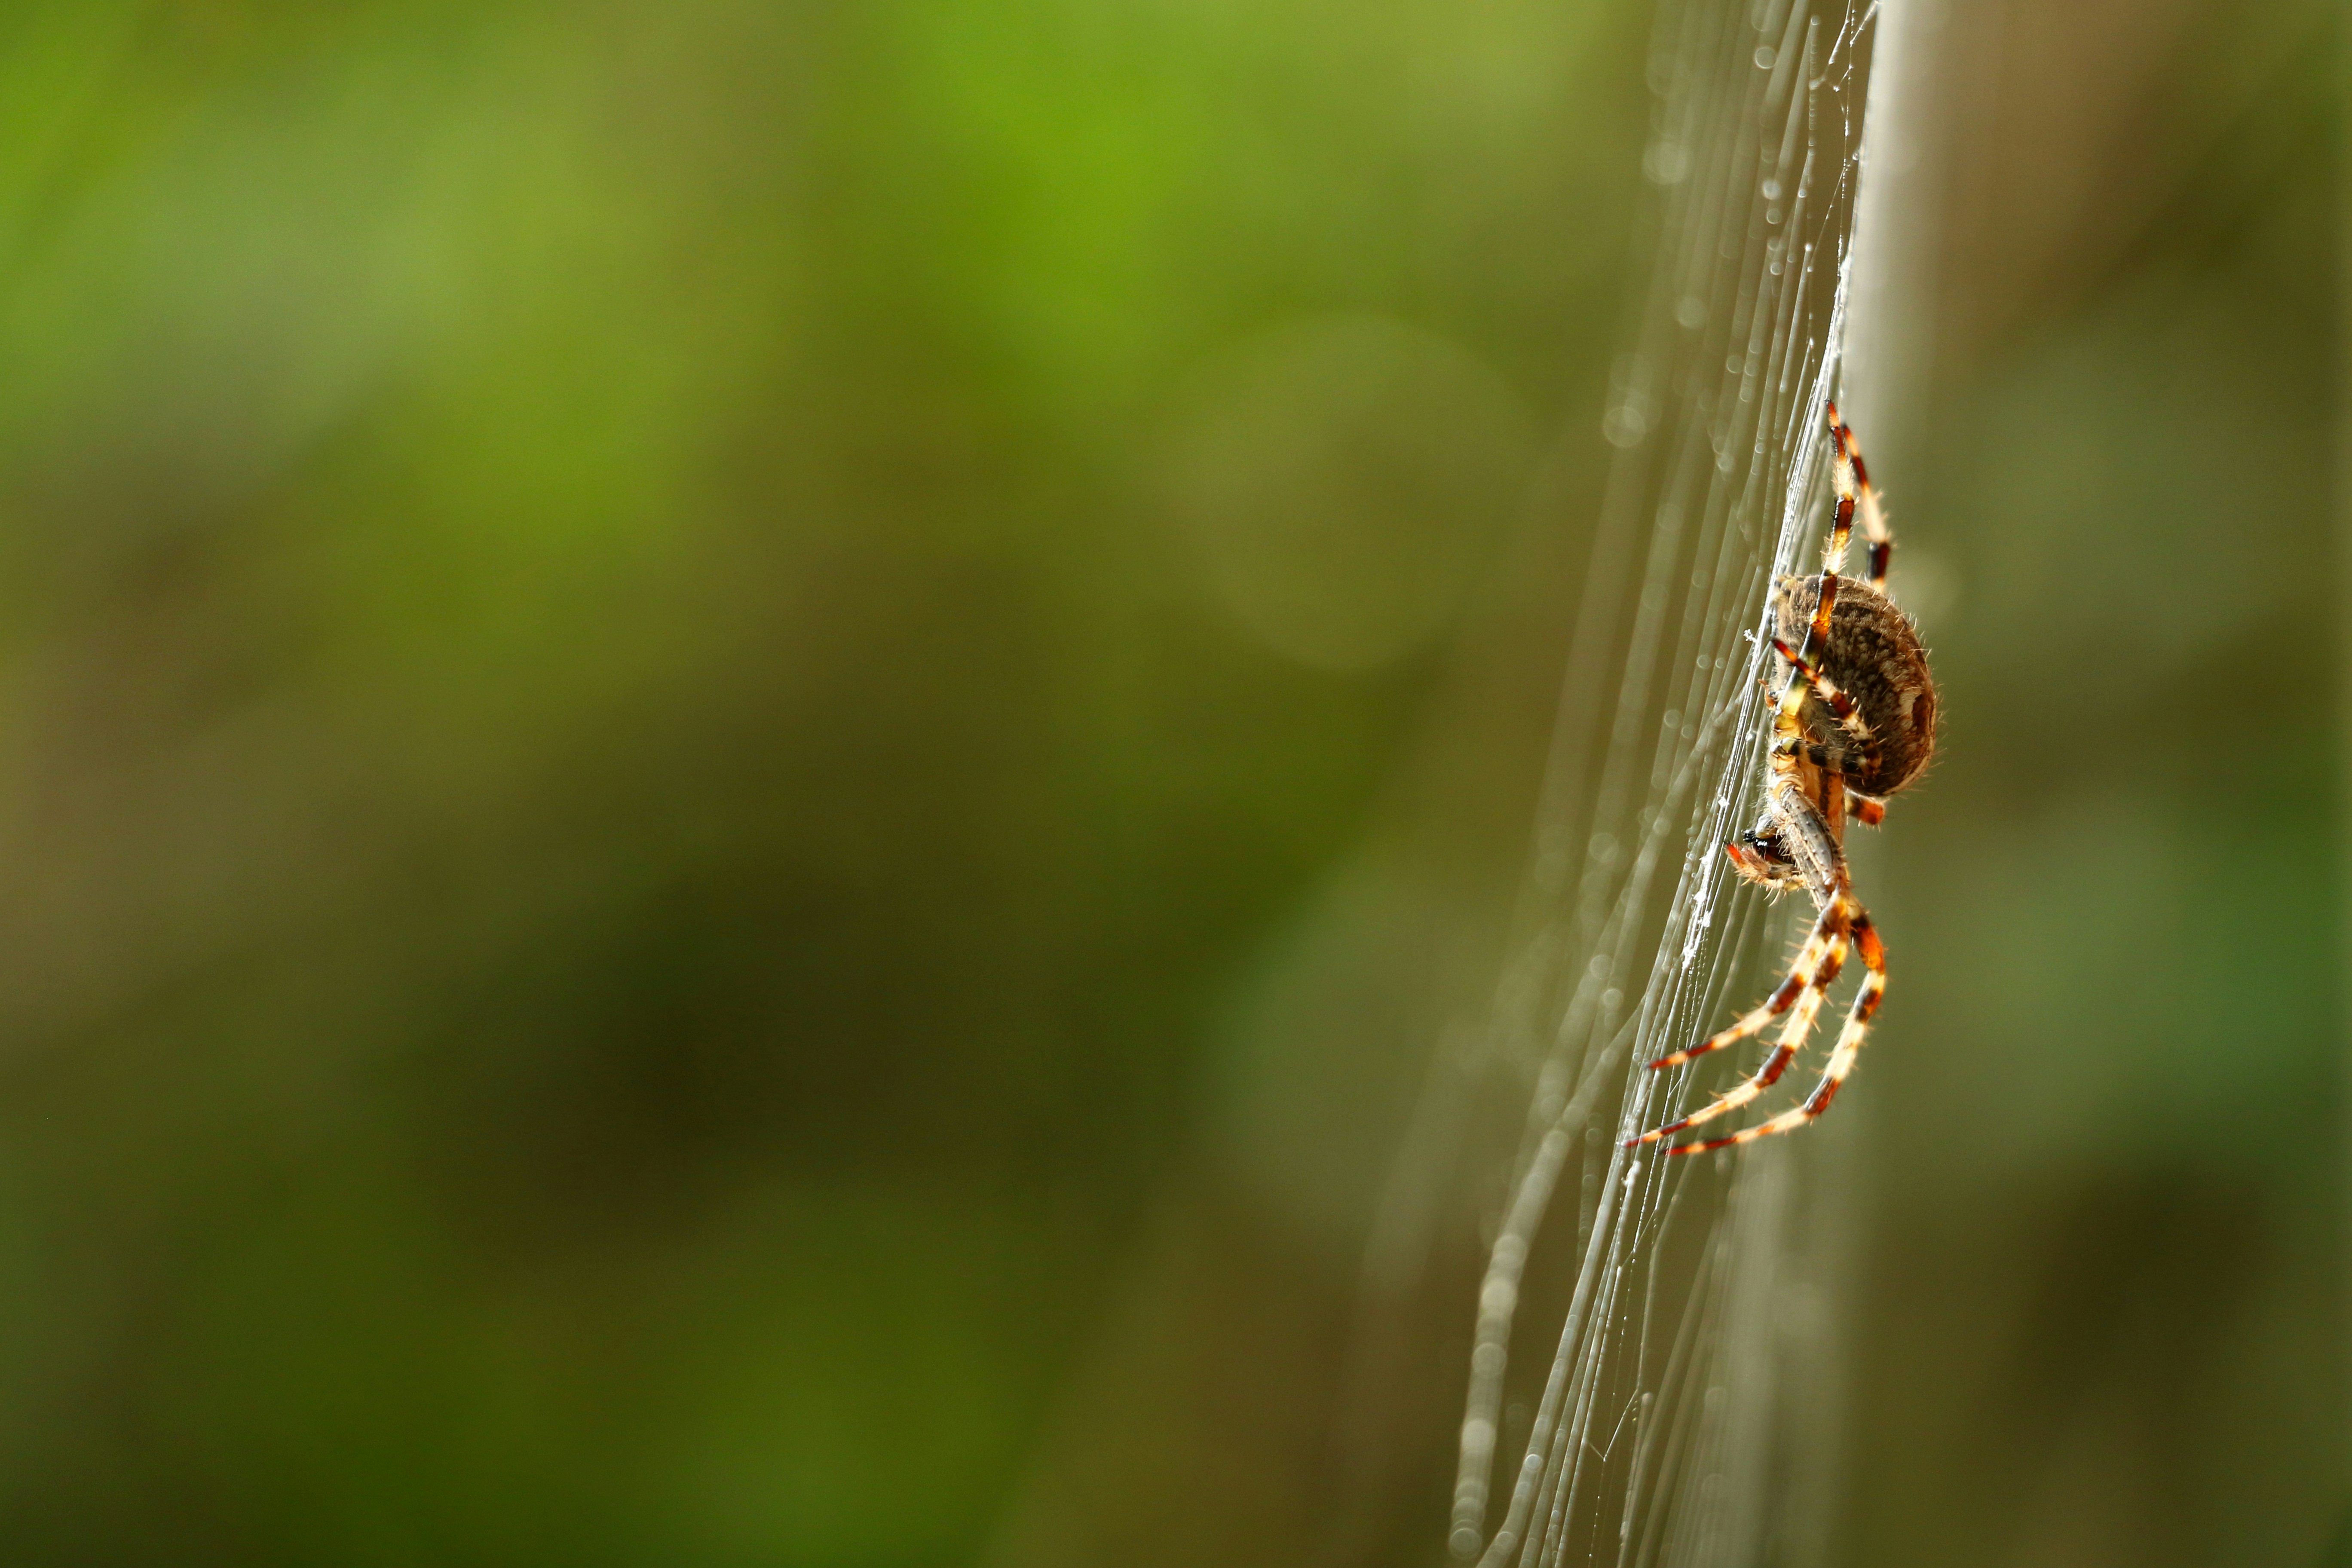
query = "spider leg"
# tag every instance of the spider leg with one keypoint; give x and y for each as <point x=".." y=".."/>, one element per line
<point x="1841" y="1058"/>
<point x="1852" y="480"/>
<point x="1823" y="945"/>
<point x="1840" y="705"/>
<point x="1834" y="550"/>
<point x="1862" y="756"/>
<point x="1811" y="844"/>
<point x="1784" y="1051"/>
<point x="1817" y="630"/>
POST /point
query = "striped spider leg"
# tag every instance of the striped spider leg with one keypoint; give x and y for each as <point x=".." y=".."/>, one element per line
<point x="1796" y="843"/>
<point x="1851" y="479"/>
<point x="1854" y="751"/>
<point x="1805" y="843"/>
<point x="1800" y="996"/>
<point x="1840" y="740"/>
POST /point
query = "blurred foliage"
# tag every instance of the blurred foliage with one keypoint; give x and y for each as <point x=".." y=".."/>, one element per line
<point x="626" y="780"/>
<point x="2104" y="1283"/>
<point x="745" y="751"/>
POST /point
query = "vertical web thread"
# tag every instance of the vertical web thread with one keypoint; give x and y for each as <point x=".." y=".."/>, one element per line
<point x="1648" y="1435"/>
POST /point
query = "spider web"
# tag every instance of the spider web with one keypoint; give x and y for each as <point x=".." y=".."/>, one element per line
<point x="1661" y="1397"/>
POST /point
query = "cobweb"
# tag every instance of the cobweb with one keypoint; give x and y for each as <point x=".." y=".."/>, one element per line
<point x="1657" y="1415"/>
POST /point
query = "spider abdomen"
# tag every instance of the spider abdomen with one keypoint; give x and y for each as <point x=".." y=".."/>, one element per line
<point x="1875" y="658"/>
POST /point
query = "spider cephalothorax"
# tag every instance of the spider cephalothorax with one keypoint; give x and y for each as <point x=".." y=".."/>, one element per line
<point x="1853" y="722"/>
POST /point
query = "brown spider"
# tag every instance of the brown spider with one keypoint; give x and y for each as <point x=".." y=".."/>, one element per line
<point x="1854" y="721"/>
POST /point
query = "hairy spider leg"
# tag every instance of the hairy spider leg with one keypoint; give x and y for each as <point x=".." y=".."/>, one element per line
<point x="1840" y="705"/>
<point x="1792" y="1038"/>
<point x="1812" y="839"/>
<point x="1833" y="549"/>
<point x="1788" y="728"/>
<point x="1813" y="849"/>
<point x="1817" y="630"/>
<point x="1841" y="708"/>
<point x="1852" y="480"/>
<point x="1819" y="942"/>
<point x="1841" y="1058"/>
<point x="1813" y="845"/>
<point x="1848" y="470"/>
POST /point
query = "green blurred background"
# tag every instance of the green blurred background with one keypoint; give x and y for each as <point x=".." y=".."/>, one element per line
<point x="748" y="751"/>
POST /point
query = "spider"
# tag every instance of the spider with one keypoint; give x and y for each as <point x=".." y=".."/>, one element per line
<point x="1853" y="722"/>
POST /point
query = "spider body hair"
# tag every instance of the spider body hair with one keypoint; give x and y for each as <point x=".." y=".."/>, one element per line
<point x="1854" y="721"/>
<point x="1875" y="658"/>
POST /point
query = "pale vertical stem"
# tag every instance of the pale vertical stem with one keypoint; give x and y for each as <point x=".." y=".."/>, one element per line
<point x="1885" y="362"/>
<point x="1889" y="326"/>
